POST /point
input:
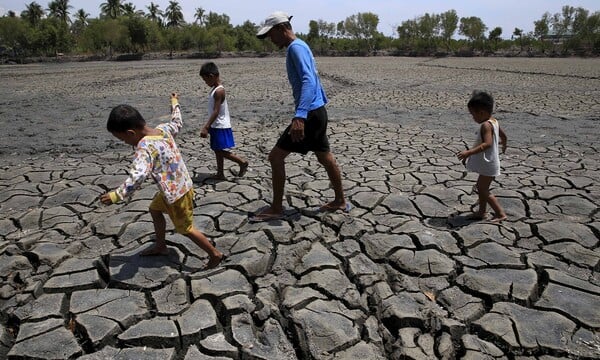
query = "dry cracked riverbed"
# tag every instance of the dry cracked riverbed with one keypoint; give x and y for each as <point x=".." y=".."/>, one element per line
<point x="401" y="276"/>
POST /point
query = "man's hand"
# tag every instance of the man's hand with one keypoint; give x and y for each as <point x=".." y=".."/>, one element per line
<point x="297" y="130"/>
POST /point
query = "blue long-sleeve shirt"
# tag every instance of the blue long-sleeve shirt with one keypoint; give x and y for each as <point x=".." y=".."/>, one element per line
<point x="302" y="75"/>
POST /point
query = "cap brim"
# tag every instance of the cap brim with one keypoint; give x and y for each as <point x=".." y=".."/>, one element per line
<point x="262" y="33"/>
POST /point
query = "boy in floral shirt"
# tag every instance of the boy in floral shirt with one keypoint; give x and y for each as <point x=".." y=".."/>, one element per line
<point x="157" y="155"/>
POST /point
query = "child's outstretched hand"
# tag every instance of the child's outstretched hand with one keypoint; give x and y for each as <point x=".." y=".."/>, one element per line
<point x="105" y="199"/>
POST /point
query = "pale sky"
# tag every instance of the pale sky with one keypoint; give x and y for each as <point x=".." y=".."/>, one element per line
<point x="507" y="14"/>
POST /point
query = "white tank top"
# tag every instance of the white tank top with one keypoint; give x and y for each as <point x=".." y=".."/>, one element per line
<point x="486" y="162"/>
<point x="223" y="120"/>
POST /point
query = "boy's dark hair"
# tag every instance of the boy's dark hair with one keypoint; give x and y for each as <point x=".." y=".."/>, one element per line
<point x="123" y="118"/>
<point x="209" y="68"/>
<point x="481" y="100"/>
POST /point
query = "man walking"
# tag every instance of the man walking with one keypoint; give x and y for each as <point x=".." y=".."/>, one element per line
<point x="308" y="129"/>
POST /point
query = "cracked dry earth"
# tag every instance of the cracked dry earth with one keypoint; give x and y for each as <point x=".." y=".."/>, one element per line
<point x="403" y="275"/>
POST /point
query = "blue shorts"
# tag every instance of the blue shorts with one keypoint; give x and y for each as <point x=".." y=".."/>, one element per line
<point x="221" y="139"/>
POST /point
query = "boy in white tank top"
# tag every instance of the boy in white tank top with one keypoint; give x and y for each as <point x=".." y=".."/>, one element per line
<point x="483" y="158"/>
<point x="219" y="123"/>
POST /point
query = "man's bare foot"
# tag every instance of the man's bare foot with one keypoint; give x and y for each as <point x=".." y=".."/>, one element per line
<point x="155" y="250"/>
<point x="476" y="216"/>
<point x="265" y="215"/>
<point x="214" y="261"/>
<point x="217" y="176"/>
<point x="243" y="169"/>
<point x="498" y="218"/>
<point x="334" y="206"/>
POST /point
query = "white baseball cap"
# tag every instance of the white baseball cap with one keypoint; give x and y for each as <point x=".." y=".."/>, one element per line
<point x="275" y="18"/>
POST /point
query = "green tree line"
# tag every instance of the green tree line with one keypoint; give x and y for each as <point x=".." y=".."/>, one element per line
<point x="121" y="28"/>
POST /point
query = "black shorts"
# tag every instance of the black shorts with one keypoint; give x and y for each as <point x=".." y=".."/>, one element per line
<point x="315" y="134"/>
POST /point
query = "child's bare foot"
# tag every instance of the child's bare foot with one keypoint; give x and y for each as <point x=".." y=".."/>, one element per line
<point x="498" y="218"/>
<point x="214" y="261"/>
<point x="155" y="250"/>
<point x="243" y="169"/>
<point x="476" y="216"/>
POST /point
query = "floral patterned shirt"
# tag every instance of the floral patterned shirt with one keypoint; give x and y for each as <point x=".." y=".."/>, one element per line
<point x="159" y="157"/>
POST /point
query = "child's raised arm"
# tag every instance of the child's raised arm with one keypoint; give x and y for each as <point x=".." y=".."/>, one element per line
<point x="176" y="123"/>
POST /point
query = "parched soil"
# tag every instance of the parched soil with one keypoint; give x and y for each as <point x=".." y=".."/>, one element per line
<point x="63" y="107"/>
<point x="403" y="274"/>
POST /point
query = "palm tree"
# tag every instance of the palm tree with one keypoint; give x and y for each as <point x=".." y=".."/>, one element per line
<point x="82" y="17"/>
<point x="519" y="33"/>
<point x="174" y="14"/>
<point x="129" y="9"/>
<point x="199" y="16"/>
<point x="33" y="13"/>
<point x="112" y="8"/>
<point x="81" y="21"/>
<point x="60" y="10"/>
<point x="52" y="9"/>
<point x="154" y="13"/>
